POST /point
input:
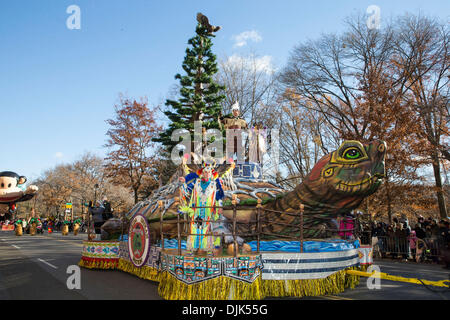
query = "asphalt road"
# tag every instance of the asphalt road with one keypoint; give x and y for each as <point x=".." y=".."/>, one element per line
<point x="35" y="267"/>
<point x="393" y="290"/>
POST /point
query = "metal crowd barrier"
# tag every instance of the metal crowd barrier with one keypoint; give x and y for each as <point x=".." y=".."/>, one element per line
<point x="424" y="250"/>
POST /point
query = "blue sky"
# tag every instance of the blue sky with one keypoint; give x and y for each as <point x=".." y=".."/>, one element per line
<point x="58" y="86"/>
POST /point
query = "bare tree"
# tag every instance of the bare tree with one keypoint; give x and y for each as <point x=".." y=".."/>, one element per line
<point x="352" y="80"/>
<point x="250" y="80"/>
<point x="422" y="52"/>
<point x="130" y="158"/>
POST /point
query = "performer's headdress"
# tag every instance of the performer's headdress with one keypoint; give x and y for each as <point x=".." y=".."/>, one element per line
<point x="235" y="106"/>
<point x="217" y="169"/>
<point x="208" y="166"/>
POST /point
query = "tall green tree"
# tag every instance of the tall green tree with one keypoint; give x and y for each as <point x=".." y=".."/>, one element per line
<point x="200" y="98"/>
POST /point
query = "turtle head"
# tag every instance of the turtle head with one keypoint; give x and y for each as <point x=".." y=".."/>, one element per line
<point x="349" y="174"/>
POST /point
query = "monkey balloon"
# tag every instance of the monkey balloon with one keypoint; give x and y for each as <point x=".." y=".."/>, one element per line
<point x="12" y="190"/>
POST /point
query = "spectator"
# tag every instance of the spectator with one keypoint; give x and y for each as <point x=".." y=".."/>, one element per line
<point x="447" y="225"/>
<point x="346" y="226"/>
<point x="366" y="234"/>
<point x="406" y="226"/>
<point x="443" y="228"/>
<point x="390" y="240"/>
<point x="380" y="234"/>
<point x="413" y="244"/>
<point x="445" y="249"/>
<point x="401" y="245"/>
<point x="421" y="220"/>
<point x="394" y="223"/>
<point x="443" y="235"/>
<point x="428" y="232"/>
<point x="420" y="232"/>
<point x="427" y="222"/>
<point x="434" y="240"/>
<point x="434" y="230"/>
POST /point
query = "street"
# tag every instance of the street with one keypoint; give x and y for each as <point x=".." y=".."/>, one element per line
<point x="35" y="267"/>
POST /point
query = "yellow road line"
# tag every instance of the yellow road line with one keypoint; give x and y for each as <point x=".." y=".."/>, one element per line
<point x="382" y="275"/>
<point x="331" y="297"/>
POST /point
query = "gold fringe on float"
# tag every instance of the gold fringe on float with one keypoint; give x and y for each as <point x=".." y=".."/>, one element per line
<point x="144" y="272"/>
<point x="363" y="267"/>
<point x="220" y="288"/>
<point x="97" y="264"/>
<point x="223" y="288"/>
<point x="333" y="284"/>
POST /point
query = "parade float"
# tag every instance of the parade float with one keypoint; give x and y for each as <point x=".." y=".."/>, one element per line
<point x="285" y="239"/>
<point x="13" y="191"/>
<point x="222" y="229"/>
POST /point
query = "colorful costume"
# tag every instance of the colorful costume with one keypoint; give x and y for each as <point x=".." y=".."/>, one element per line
<point x="202" y="192"/>
<point x="76" y="226"/>
<point x="33" y="226"/>
<point x="65" y="228"/>
<point x="257" y="144"/>
<point x="19" y="228"/>
<point x="234" y="124"/>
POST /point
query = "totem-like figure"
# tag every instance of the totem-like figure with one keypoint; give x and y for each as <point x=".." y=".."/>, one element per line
<point x="257" y="144"/>
<point x="234" y="125"/>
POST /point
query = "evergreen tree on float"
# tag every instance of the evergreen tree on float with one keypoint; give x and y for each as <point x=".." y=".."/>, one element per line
<point x="200" y="98"/>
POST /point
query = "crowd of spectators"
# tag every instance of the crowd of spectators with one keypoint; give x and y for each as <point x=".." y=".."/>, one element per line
<point x="426" y="239"/>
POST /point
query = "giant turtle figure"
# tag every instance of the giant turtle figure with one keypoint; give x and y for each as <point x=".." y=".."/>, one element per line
<point x="337" y="184"/>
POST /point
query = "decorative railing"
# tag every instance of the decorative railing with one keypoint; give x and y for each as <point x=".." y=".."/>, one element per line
<point x="261" y="217"/>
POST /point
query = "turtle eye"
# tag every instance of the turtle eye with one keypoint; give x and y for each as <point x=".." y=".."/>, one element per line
<point x="352" y="154"/>
<point x="328" y="173"/>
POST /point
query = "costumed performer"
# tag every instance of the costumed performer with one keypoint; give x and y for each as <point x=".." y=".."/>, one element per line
<point x="203" y="189"/>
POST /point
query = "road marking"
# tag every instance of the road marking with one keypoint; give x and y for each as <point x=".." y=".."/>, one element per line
<point x="382" y="275"/>
<point x="331" y="297"/>
<point x="75" y="244"/>
<point x="47" y="263"/>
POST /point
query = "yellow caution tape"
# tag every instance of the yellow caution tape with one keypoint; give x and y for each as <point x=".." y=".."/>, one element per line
<point x="382" y="275"/>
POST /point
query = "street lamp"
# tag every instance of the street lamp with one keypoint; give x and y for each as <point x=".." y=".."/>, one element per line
<point x="95" y="194"/>
<point x="89" y="213"/>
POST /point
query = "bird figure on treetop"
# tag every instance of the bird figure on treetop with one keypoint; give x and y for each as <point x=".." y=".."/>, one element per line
<point x="203" y="20"/>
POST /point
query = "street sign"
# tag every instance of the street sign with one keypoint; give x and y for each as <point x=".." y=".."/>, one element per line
<point x="69" y="205"/>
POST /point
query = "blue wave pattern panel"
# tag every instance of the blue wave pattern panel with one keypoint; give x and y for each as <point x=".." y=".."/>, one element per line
<point x="286" y="246"/>
<point x="308" y="246"/>
<point x="311" y="265"/>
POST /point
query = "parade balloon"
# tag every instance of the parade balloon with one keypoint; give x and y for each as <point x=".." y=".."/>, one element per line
<point x="13" y="190"/>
